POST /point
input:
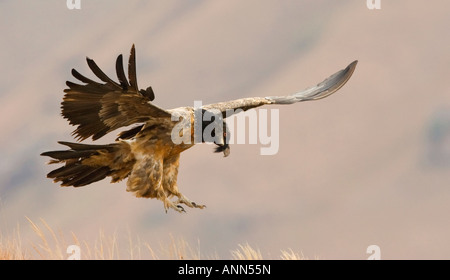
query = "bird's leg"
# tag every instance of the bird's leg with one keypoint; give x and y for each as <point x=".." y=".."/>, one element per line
<point x="188" y="202"/>
<point x="169" y="203"/>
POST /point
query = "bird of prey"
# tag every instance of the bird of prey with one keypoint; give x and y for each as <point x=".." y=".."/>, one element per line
<point x="146" y="153"/>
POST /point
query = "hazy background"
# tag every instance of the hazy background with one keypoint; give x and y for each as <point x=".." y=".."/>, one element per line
<point x="369" y="165"/>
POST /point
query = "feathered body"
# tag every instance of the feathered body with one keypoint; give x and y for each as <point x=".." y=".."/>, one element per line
<point x="146" y="154"/>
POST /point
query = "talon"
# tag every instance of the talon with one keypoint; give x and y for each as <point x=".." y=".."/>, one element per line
<point x="181" y="209"/>
<point x="169" y="204"/>
<point x="188" y="202"/>
<point x="197" y="205"/>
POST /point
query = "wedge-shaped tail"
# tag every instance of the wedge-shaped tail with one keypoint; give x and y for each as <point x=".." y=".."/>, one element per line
<point x="85" y="164"/>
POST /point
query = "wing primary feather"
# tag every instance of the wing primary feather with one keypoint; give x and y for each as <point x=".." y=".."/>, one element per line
<point x="99" y="73"/>
<point x="99" y="107"/>
<point x="121" y="74"/>
<point x="323" y="89"/>
<point x="132" y="69"/>
<point x="82" y="78"/>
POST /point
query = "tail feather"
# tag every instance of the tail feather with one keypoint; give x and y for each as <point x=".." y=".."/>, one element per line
<point x="67" y="171"/>
<point x="69" y="154"/>
<point x="84" y="164"/>
<point x="86" y="176"/>
<point x="84" y="147"/>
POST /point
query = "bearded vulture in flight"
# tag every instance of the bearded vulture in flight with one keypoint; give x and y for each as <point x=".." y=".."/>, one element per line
<point x="146" y="153"/>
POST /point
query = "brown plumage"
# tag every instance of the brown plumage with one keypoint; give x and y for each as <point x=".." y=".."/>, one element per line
<point x="146" y="154"/>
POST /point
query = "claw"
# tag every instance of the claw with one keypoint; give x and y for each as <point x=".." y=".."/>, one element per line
<point x="181" y="208"/>
<point x="197" y="205"/>
<point x="188" y="202"/>
<point x="169" y="204"/>
<point x="175" y="205"/>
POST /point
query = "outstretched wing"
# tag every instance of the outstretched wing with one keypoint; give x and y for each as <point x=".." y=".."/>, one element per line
<point x="327" y="87"/>
<point x="99" y="108"/>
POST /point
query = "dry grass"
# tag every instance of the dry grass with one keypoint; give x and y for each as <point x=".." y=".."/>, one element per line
<point x="11" y="250"/>
<point x="291" y="255"/>
<point x="246" y="252"/>
<point x="54" y="246"/>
